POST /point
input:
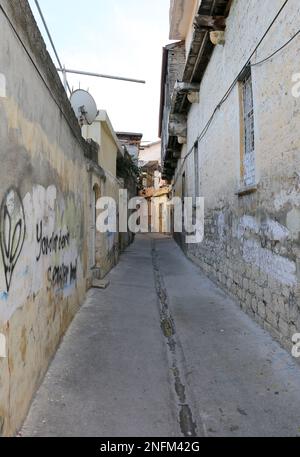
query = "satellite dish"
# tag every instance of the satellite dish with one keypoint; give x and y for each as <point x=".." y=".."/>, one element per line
<point x="84" y="107"/>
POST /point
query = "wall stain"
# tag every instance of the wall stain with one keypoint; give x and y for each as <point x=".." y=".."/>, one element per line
<point x="23" y="344"/>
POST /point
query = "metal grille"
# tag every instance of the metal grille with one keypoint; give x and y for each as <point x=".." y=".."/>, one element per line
<point x="249" y="151"/>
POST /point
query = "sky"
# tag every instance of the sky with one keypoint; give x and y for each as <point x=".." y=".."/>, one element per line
<point x="115" y="37"/>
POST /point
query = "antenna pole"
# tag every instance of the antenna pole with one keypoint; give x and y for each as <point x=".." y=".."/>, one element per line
<point x="64" y="71"/>
<point x="51" y="42"/>
<point x="98" y="75"/>
<point x="65" y="78"/>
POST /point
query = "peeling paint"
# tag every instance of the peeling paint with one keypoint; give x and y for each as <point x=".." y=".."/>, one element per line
<point x="276" y="266"/>
<point x="291" y="197"/>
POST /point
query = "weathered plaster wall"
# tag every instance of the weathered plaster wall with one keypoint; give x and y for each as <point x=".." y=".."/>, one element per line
<point x="109" y="152"/>
<point x="160" y="212"/>
<point x="107" y="246"/>
<point x="149" y="153"/>
<point x="180" y="14"/>
<point x="252" y="242"/>
<point x="43" y="217"/>
<point x="101" y="131"/>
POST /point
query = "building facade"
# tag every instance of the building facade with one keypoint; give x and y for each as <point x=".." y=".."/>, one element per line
<point x="132" y="142"/>
<point x="229" y="127"/>
<point x="154" y="188"/>
<point x="49" y="183"/>
<point x="150" y="165"/>
<point x="104" y="247"/>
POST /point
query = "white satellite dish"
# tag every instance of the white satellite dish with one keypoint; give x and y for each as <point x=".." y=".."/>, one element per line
<point x="84" y="107"/>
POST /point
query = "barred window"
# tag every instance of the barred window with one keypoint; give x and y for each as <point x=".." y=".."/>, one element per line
<point x="248" y="165"/>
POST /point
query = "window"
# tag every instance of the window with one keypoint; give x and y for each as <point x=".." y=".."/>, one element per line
<point x="248" y="146"/>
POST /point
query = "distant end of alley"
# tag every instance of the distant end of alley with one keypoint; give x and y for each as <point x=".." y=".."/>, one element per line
<point x="184" y="338"/>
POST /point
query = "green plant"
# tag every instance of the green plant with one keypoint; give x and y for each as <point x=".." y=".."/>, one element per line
<point x="127" y="169"/>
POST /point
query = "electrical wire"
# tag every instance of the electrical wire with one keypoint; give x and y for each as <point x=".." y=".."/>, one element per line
<point x="228" y="92"/>
<point x="45" y="83"/>
<point x="277" y="51"/>
<point x="39" y="72"/>
<point x="51" y="40"/>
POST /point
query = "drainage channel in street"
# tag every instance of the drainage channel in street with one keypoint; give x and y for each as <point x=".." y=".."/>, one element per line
<point x="182" y="391"/>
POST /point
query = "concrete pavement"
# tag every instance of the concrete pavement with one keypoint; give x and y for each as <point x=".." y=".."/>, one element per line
<point x="164" y="352"/>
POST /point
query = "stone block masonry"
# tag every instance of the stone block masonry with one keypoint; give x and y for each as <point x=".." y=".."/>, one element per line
<point x="252" y="239"/>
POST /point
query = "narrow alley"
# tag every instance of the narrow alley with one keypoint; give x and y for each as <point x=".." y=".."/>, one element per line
<point x="164" y="352"/>
<point x="149" y="222"/>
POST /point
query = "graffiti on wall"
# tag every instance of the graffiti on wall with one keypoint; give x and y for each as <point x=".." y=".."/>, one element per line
<point x="59" y="276"/>
<point x="37" y="247"/>
<point x="12" y="232"/>
<point x="62" y="275"/>
<point x="55" y="243"/>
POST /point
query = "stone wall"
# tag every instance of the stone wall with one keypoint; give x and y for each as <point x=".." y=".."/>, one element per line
<point x="252" y="241"/>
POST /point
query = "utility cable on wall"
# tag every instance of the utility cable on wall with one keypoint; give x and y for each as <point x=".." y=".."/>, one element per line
<point x="228" y="92"/>
<point x="277" y="51"/>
